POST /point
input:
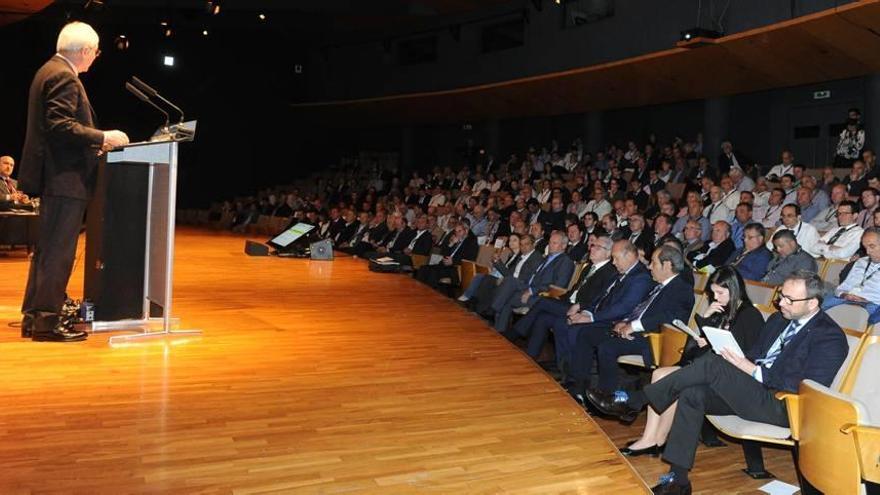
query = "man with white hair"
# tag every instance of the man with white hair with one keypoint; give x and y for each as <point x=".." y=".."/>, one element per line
<point x="59" y="163"/>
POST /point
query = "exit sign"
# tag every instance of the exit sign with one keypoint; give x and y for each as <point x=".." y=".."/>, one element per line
<point x="822" y="95"/>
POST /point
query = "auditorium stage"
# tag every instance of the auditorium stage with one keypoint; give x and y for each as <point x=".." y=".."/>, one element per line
<point x="311" y="377"/>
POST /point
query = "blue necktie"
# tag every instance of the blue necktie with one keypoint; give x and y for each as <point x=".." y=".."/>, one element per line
<point x="637" y="312"/>
<point x="783" y="339"/>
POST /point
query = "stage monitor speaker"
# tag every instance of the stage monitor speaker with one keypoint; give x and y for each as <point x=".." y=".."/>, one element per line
<point x="252" y="248"/>
<point x="322" y="250"/>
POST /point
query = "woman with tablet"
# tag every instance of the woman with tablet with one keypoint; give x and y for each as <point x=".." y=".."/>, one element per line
<point x="729" y="308"/>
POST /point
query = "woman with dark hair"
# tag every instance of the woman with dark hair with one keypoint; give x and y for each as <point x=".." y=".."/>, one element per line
<point x="729" y="308"/>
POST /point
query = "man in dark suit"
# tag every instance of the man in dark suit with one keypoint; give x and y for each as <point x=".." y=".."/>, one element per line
<point x="556" y="270"/>
<point x="594" y="281"/>
<point x="800" y="342"/>
<point x="420" y="243"/>
<point x="463" y="246"/>
<point x="59" y="163"/>
<point x="752" y="260"/>
<point x="640" y="235"/>
<point x="348" y="230"/>
<point x="577" y="246"/>
<point x="363" y="242"/>
<point x="630" y="286"/>
<point x="671" y="298"/>
<point x="716" y="252"/>
<point x="396" y="240"/>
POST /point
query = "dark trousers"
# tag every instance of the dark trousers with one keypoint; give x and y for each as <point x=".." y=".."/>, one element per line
<point x="710" y="385"/>
<point x="431" y="274"/>
<point x="611" y="349"/>
<point x="60" y="222"/>
<point x="587" y="339"/>
<point x="536" y="324"/>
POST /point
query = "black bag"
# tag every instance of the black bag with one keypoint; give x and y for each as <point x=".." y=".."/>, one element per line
<point x="384" y="268"/>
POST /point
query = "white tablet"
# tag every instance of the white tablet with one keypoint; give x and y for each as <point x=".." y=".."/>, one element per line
<point x="722" y="339"/>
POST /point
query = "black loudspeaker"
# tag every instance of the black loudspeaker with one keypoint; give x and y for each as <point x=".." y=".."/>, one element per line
<point x="252" y="248"/>
<point x="322" y="250"/>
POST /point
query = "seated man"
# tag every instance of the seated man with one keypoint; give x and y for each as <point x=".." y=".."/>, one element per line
<point x="10" y="196"/>
<point x="861" y="286"/>
<point x="799" y="342"/>
<point x="806" y="234"/>
<point x="594" y="280"/>
<point x="719" y="248"/>
<point x="520" y="267"/>
<point x="752" y="259"/>
<point x="462" y="246"/>
<point x="671" y="298"/>
<point x="420" y="243"/>
<point x="842" y="242"/>
<point x="397" y="239"/>
<point x="632" y="284"/>
<point x="576" y="248"/>
<point x="789" y="259"/>
<point x="556" y="269"/>
<point x="378" y="230"/>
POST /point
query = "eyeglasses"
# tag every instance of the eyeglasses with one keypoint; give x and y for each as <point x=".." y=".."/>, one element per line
<point x="789" y="300"/>
<point x="844" y="213"/>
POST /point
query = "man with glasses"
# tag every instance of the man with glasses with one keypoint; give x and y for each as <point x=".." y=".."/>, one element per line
<point x="752" y="259"/>
<point x="594" y="281"/>
<point x="799" y="342"/>
<point x="59" y="163"/>
<point x="862" y="284"/>
<point x="842" y="242"/>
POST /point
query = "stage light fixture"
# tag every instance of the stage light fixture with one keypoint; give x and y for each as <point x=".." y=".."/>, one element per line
<point x="163" y="23"/>
<point x="204" y="32"/>
<point x="121" y="43"/>
<point x="168" y="61"/>
<point x="262" y="17"/>
<point x="168" y="32"/>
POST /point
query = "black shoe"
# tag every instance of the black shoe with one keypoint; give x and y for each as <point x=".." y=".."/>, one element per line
<point x="611" y="406"/>
<point x="652" y="451"/>
<point x="60" y="335"/>
<point x="27" y="325"/>
<point x="668" y="486"/>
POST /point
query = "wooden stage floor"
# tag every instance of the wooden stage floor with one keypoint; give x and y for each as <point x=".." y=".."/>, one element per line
<point x="311" y="377"/>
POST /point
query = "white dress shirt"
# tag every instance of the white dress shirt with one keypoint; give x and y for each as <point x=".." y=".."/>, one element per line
<point x="780" y="170"/>
<point x="731" y="200"/>
<point x="862" y="280"/>
<point x="845" y="246"/>
<point x="769" y="216"/>
<point x="717" y="212"/>
<point x="600" y="208"/>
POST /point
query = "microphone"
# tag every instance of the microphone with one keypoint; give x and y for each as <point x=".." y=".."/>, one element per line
<point x="141" y="96"/>
<point x="146" y="88"/>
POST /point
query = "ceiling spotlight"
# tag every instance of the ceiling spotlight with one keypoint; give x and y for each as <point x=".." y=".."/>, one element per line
<point x="121" y="43"/>
<point x="163" y="23"/>
<point x="168" y="61"/>
<point x="204" y="32"/>
<point x="168" y="32"/>
<point x="262" y="17"/>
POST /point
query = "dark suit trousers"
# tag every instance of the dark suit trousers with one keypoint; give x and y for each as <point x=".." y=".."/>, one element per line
<point x="607" y="354"/>
<point x="589" y="337"/>
<point x="536" y="324"/>
<point x="60" y="222"/>
<point x="710" y="385"/>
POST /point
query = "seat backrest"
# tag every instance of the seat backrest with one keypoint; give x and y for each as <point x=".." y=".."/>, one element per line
<point x="671" y="346"/>
<point x="578" y="270"/>
<point x="840" y="383"/>
<point x="866" y="384"/>
<point x="761" y="294"/>
<point x="700" y="304"/>
<point x="850" y="316"/>
<point x="467" y="269"/>
<point x="484" y="256"/>
<point x="700" y="279"/>
<point x="831" y="272"/>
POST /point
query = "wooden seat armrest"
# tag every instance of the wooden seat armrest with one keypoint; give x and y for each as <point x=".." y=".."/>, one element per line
<point x="555" y="292"/>
<point x="867" y="439"/>
<point x="792" y="406"/>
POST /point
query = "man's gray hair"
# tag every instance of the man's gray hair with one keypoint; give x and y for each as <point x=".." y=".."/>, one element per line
<point x="75" y="36"/>
<point x="673" y="256"/>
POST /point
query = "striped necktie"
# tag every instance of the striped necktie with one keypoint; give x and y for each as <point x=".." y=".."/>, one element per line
<point x="780" y="343"/>
<point x="836" y="236"/>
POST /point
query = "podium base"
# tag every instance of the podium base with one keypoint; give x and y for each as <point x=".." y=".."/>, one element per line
<point x="144" y="324"/>
<point x="124" y="339"/>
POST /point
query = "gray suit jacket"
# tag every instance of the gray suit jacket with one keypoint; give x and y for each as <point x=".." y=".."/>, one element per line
<point x="780" y="268"/>
<point x="558" y="272"/>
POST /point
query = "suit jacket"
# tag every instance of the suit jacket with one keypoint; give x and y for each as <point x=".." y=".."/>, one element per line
<point x="557" y="272"/>
<point x="423" y="244"/>
<point x="346" y="233"/>
<point x="530" y="266"/>
<point x="815" y="353"/>
<point x="779" y="268"/>
<point x="645" y="241"/>
<point x="377" y="234"/>
<point x="4" y="190"/>
<point x="577" y="252"/>
<point x="60" y="155"/>
<point x="718" y="256"/>
<point x="622" y="296"/>
<point x="753" y="266"/>
<point x="468" y="250"/>
<point x="403" y="240"/>
<point x="589" y="289"/>
<point x="674" y="301"/>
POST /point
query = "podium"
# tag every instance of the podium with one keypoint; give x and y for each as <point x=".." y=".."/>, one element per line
<point x="130" y="241"/>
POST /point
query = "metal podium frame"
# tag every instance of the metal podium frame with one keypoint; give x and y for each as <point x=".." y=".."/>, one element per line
<point x="161" y="158"/>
